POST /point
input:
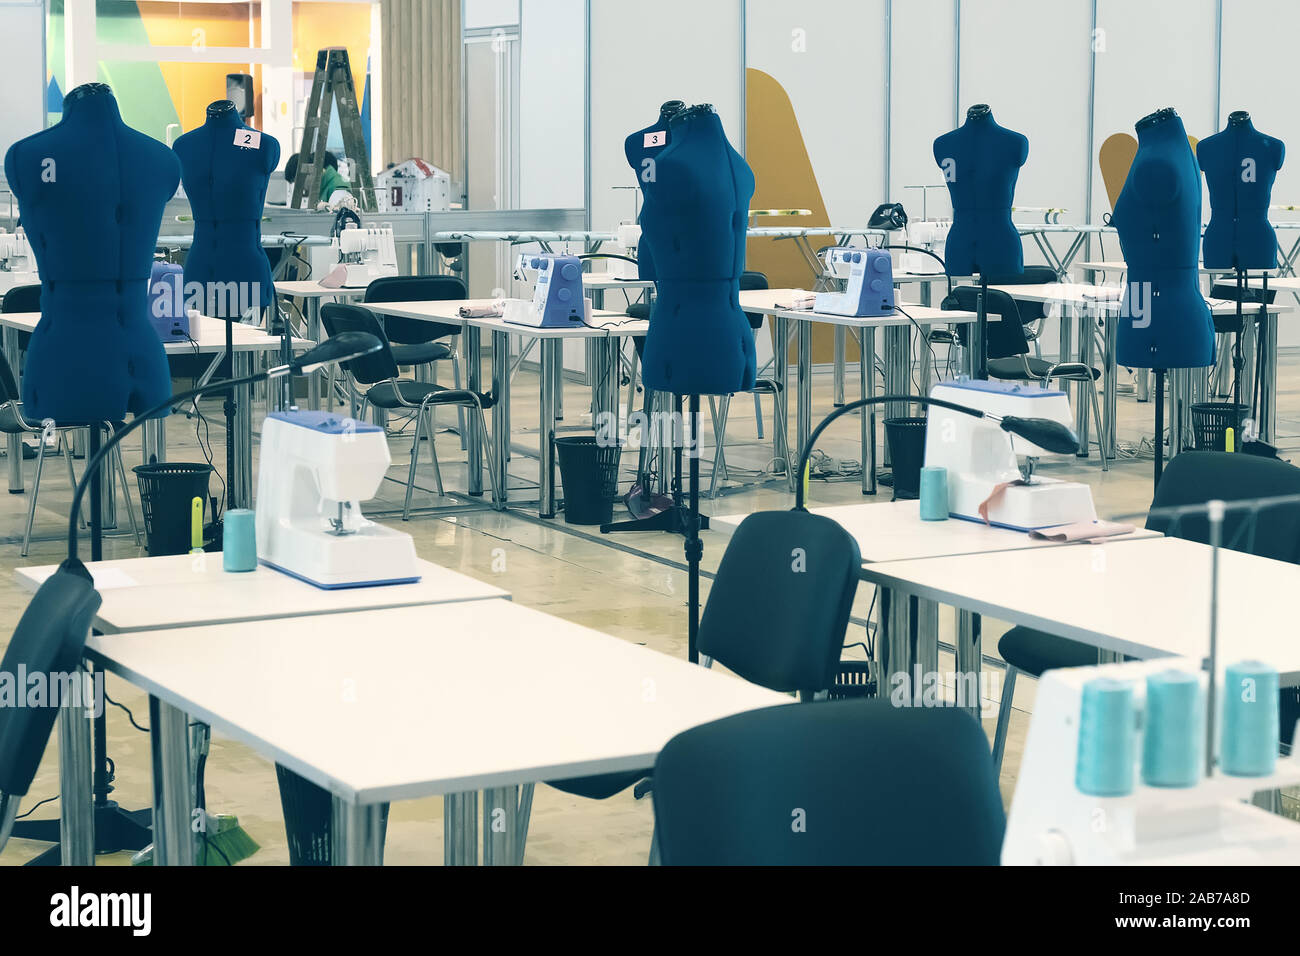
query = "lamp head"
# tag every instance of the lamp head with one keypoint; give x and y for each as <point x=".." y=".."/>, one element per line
<point x="340" y="348"/>
<point x="1048" y="435"/>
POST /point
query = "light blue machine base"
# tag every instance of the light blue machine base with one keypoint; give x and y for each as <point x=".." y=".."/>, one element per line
<point x="340" y="587"/>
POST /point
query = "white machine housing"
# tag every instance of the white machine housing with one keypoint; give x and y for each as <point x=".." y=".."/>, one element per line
<point x="979" y="456"/>
<point x="925" y="234"/>
<point x="1052" y="823"/>
<point x="316" y="469"/>
<point x="413" y="186"/>
<point x="628" y="239"/>
<point x="367" y="254"/>
<point x="16" y="252"/>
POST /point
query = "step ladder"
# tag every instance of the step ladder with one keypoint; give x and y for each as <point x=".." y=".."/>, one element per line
<point x="332" y="84"/>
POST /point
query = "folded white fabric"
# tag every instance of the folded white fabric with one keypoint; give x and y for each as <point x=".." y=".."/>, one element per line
<point x="800" y="301"/>
<point x="487" y="309"/>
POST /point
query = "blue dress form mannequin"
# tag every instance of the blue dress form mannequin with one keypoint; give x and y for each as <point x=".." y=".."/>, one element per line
<point x="694" y="220"/>
<point x="91" y="193"/>
<point x="225" y="167"/>
<point x="980" y="162"/>
<point x="642" y="145"/>
<point x="1240" y="164"/>
<point x="1158" y="218"/>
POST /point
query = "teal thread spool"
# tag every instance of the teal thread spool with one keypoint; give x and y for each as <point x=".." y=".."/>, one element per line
<point x="239" y="540"/>
<point x="1174" y="730"/>
<point x="1107" y="739"/>
<point x="934" y="494"/>
<point x="1248" y="742"/>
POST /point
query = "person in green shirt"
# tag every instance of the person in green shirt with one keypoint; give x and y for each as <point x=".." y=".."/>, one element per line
<point x="331" y="180"/>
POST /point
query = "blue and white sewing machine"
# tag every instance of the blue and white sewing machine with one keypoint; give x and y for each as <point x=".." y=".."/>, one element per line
<point x="868" y="276"/>
<point x="168" y="313"/>
<point x="557" y="302"/>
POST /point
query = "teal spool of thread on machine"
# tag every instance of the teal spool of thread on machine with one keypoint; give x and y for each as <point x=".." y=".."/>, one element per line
<point x="1249" y="737"/>
<point x="934" y="493"/>
<point x="1107" y="757"/>
<point x="1174" y="729"/>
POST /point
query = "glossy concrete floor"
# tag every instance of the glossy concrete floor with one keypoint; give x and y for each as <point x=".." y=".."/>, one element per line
<point x="632" y="587"/>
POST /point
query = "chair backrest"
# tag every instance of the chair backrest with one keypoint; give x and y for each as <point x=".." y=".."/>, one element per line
<point x="1195" y="477"/>
<point x="49" y="640"/>
<point x="1006" y="329"/>
<point x="1033" y="275"/>
<point x="779" y="605"/>
<point x="856" y="782"/>
<point x="749" y="281"/>
<point x="415" y="289"/>
<point x="368" y="369"/>
<point x="8" y="384"/>
<point x="22" y="298"/>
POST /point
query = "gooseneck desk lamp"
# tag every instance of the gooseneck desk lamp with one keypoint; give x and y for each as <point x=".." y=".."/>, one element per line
<point x="52" y="631"/>
<point x="1049" y="435"/>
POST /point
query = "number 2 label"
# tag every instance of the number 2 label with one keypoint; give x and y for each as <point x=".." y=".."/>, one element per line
<point x="248" y="138"/>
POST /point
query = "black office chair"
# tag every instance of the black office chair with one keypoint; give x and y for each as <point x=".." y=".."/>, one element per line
<point x="842" y="783"/>
<point x="787" y="635"/>
<point x="387" y="390"/>
<point x="1032" y="314"/>
<point x="762" y="386"/>
<point x="1191" y="478"/>
<point x="13" y="422"/>
<point x="49" y="640"/>
<point x="1008" y="348"/>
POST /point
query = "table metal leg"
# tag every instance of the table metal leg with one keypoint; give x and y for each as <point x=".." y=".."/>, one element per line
<point x="172" y="831"/>
<point x="970" y="656"/>
<point x="867" y="422"/>
<point x="839" y="365"/>
<point x="14" y="443"/>
<point x="500" y="414"/>
<point x="1110" y="384"/>
<point x="909" y="648"/>
<point x="781" y="374"/>
<point x="473" y="381"/>
<point x="1267" y="423"/>
<point x="1081" y="422"/>
<point x="546" y="430"/>
<point x="155" y="440"/>
<point x="460" y="829"/>
<point x="803" y="410"/>
<point x="76" y="808"/>
<point x="500" y="826"/>
<point x="357" y="838"/>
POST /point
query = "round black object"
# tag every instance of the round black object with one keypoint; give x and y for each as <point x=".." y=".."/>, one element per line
<point x="167" y="489"/>
<point x="1211" y="421"/>
<point x="906" y="438"/>
<point x="589" y="476"/>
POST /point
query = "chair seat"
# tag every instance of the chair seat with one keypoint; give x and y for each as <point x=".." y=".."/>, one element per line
<point x="422" y="354"/>
<point x="1033" y="651"/>
<point x="600" y="787"/>
<point x="393" y="395"/>
<point x="9" y="423"/>
<point x="1014" y="369"/>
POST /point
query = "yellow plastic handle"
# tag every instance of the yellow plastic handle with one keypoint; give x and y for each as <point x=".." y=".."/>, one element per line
<point x="196" y="525"/>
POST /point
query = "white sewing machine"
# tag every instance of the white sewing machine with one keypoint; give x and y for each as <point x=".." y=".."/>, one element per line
<point x="1053" y="823"/>
<point x="928" y="234"/>
<point x="982" y="459"/>
<point x="628" y="239"/>
<point x="16" y="253"/>
<point x="366" y="254"/>
<point x="316" y="469"/>
<point x="868" y="277"/>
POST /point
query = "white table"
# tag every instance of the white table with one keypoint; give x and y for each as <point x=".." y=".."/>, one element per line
<point x="207" y="337"/>
<point x="192" y="591"/>
<point x="1143" y="598"/>
<point x="893" y="533"/>
<point x="607" y="331"/>
<point x="444" y="700"/>
<point x="897" y="329"/>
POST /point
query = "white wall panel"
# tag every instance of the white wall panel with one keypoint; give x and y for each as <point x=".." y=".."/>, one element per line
<point x="552" y="104"/>
<point x="22" y="94"/>
<point x="924" y="75"/>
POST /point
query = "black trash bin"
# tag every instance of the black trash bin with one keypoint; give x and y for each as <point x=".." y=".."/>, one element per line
<point x="167" y="489"/>
<point x="589" y="475"/>
<point x="906" y="439"/>
<point x="1211" y="421"/>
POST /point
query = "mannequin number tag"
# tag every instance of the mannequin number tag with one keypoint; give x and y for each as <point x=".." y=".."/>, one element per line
<point x="248" y="138"/>
<point x="657" y="138"/>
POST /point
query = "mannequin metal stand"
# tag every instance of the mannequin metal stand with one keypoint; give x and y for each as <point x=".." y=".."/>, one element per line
<point x="694" y="547"/>
<point x="115" y="828"/>
<point x="1237" y="359"/>
<point x="980" y="358"/>
<point x="675" y="519"/>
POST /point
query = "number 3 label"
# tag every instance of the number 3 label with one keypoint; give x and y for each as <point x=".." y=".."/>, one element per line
<point x="248" y="138"/>
<point x="657" y="138"/>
